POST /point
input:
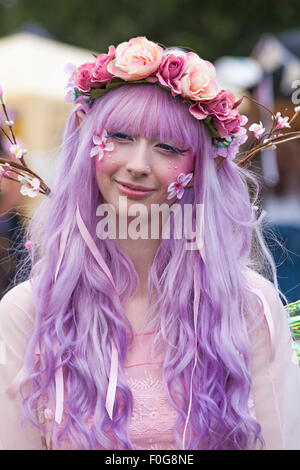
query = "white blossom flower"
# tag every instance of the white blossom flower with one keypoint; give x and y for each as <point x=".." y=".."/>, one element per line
<point x="30" y="186"/>
<point x="257" y="129"/>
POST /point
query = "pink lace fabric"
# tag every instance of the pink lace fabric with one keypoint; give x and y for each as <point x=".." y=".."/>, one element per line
<point x="153" y="417"/>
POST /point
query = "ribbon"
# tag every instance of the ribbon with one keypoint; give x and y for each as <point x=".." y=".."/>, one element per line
<point x="13" y="388"/>
<point x="59" y="392"/>
<point x="113" y="374"/>
<point x="112" y="383"/>
<point x="92" y="246"/>
<point x="62" y="247"/>
<point x="196" y="310"/>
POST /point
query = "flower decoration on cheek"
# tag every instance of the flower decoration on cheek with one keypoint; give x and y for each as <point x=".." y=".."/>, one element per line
<point x="177" y="188"/>
<point x="101" y="145"/>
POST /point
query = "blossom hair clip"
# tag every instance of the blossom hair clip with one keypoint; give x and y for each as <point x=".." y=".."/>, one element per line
<point x="101" y="145"/>
<point x="177" y="188"/>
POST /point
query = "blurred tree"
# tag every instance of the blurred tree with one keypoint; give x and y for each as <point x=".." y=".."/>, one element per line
<point x="211" y="28"/>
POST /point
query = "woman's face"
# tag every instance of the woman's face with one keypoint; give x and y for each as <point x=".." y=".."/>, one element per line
<point x="135" y="160"/>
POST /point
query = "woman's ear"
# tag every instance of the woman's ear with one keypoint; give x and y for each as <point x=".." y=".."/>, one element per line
<point x="80" y="115"/>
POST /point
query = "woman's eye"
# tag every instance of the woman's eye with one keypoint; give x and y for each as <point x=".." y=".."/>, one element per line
<point x="118" y="136"/>
<point x="171" y="149"/>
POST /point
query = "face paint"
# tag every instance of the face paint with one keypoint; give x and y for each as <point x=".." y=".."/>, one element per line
<point x="151" y="165"/>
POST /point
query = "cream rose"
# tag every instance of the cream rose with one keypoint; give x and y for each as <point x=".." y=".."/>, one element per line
<point x="199" y="81"/>
<point x="136" y="59"/>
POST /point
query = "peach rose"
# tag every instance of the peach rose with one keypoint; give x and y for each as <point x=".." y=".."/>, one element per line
<point x="136" y="59"/>
<point x="199" y="82"/>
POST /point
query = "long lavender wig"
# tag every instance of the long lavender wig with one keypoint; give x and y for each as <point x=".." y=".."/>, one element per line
<point x="79" y="314"/>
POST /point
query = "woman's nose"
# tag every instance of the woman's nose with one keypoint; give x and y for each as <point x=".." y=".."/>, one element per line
<point x="139" y="160"/>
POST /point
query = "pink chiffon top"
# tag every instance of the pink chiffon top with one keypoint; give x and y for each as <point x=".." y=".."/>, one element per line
<point x="275" y="397"/>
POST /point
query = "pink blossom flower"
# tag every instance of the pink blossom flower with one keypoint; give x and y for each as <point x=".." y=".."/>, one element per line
<point x="17" y="151"/>
<point x="282" y="122"/>
<point x="83" y="76"/>
<point x="30" y="186"/>
<point x="101" y="145"/>
<point x="70" y="69"/>
<point x="170" y="71"/>
<point x="177" y="188"/>
<point x="99" y="71"/>
<point x="28" y="245"/>
<point x="4" y="173"/>
<point x="220" y="107"/>
<point x="257" y="129"/>
<point x="136" y="59"/>
<point x="199" y="82"/>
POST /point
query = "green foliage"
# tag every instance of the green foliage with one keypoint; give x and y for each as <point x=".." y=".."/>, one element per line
<point x="212" y="28"/>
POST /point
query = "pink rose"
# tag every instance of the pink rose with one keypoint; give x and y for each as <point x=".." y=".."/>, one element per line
<point x="83" y="76"/>
<point x="199" y="83"/>
<point x="170" y="71"/>
<point x="99" y="71"/>
<point x="221" y="107"/>
<point x="230" y="126"/>
<point x="136" y="59"/>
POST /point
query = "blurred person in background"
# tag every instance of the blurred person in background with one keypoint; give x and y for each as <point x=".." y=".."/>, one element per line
<point x="11" y="229"/>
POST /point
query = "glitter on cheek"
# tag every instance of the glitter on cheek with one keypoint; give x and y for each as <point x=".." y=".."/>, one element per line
<point x="169" y="173"/>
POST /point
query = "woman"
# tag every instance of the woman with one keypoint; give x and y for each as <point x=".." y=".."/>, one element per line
<point x="150" y="342"/>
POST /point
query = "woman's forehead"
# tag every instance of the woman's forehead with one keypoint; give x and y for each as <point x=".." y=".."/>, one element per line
<point x="153" y="117"/>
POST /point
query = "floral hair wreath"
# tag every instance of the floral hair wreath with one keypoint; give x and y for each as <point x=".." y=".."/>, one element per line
<point x="183" y="74"/>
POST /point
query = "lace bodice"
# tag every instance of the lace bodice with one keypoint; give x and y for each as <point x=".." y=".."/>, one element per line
<point x="153" y="417"/>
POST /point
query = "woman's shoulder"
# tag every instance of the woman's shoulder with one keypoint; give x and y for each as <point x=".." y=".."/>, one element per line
<point x="263" y="288"/>
<point x="267" y="305"/>
<point x="17" y="310"/>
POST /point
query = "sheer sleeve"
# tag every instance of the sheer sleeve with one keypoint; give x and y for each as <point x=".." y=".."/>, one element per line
<point x="16" y="320"/>
<point x="275" y="380"/>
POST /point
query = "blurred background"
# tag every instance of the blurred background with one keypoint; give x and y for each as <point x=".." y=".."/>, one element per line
<point x="254" y="45"/>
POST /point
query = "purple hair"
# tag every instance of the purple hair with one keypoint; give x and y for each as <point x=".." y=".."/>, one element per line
<point x="79" y="314"/>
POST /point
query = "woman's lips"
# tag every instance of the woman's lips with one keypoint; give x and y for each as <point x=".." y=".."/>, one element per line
<point x="133" y="192"/>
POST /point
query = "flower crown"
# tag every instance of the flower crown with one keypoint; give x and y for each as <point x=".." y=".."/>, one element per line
<point x="183" y="74"/>
<point x="186" y="75"/>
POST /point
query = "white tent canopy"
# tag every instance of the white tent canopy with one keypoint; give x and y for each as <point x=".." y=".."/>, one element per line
<point x="34" y="65"/>
<point x="33" y="78"/>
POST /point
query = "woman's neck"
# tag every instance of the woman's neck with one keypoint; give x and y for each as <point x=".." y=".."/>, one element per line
<point x="142" y="253"/>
